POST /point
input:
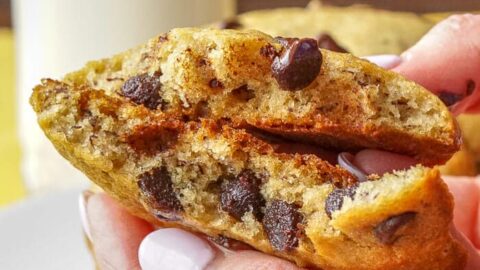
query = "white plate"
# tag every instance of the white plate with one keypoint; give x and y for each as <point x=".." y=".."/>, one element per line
<point x="43" y="233"/>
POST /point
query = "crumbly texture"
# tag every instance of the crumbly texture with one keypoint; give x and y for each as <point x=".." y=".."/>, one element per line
<point x="398" y="221"/>
<point x="226" y="74"/>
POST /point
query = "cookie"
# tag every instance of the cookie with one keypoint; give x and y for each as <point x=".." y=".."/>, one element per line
<point x="198" y="129"/>
<point x="285" y="86"/>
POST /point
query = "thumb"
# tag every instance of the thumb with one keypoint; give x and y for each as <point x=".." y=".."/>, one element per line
<point x="250" y="260"/>
<point x="447" y="62"/>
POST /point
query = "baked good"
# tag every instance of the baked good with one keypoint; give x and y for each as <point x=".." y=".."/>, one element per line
<point x="360" y="30"/>
<point x="251" y="79"/>
<point x="224" y="174"/>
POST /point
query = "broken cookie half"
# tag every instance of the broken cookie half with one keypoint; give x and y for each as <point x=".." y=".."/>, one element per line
<point x="192" y="130"/>
<point x="284" y="85"/>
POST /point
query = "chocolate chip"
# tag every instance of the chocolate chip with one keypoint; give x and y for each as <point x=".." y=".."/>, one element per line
<point x="449" y="98"/>
<point x="334" y="201"/>
<point x="282" y="223"/>
<point x="157" y="188"/>
<point x="298" y="65"/>
<point x="241" y="194"/>
<point x="214" y="83"/>
<point x="325" y="41"/>
<point x="243" y="93"/>
<point x="143" y="89"/>
<point x="230" y="24"/>
<point x="385" y="231"/>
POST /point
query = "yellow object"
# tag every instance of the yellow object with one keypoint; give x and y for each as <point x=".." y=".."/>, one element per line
<point x="11" y="187"/>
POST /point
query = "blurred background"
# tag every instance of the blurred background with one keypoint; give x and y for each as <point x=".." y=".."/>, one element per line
<point x="51" y="37"/>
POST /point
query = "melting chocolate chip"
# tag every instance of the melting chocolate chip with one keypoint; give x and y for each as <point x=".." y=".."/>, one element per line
<point x="282" y="222"/>
<point x="241" y="194"/>
<point x="156" y="186"/>
<point x="334" y="201"/>
<point x="243" y="93"/>
<point x="298" y="64"/>
<point x="143" y="89"/>
<point x="385" y="231"/>
<point x="449" y="98"/>
<point x="230" y="24"/>
<point x="325" y="41"/>
<point x="214" y="83"/>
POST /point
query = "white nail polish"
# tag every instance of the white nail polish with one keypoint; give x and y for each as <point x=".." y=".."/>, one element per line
<point x="82" y="207"/>
<point x="174" y="249"/>
<point x="386" y="61"/>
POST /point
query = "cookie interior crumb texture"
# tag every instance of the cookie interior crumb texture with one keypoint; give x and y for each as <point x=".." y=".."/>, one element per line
<point x="203" y="151"/>
<point x="226" y="74"/>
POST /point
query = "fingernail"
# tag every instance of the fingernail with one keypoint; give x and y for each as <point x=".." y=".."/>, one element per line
<point x="387" y="61"/>
<point x="174" y="249"/>
<point x="82" y="207"/>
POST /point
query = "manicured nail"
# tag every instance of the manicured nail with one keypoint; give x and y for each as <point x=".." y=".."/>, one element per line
<point x="82" y="207"/>
<point x="387" y="61"/>
<point x="174" y="249"/>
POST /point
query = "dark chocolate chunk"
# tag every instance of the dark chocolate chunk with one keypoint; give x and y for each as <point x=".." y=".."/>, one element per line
<point x="449" y="98"/>
<point x="214" y="83"/>
<point x="243" y="93"/>
<point x="298" y="64"/>
<point x="334" y="201"/>
<point x="325" y="41"/>
<point x="282" y="222"/>
<point x="157" y="188"/>
<point x="385" y="231"/>
<point x="143" y="89"/>
<point x="230" y="24"/>
<point x="241" y="194"/>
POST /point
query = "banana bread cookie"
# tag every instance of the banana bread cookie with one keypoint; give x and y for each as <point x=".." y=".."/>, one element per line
<point x="164" y="129"/>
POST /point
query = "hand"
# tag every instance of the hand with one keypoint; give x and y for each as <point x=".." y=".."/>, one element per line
<point x="446" y="61"/>
<point x="120" y="240"/>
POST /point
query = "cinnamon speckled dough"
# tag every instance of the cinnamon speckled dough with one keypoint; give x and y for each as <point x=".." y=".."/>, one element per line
<point x="136" y="153"/>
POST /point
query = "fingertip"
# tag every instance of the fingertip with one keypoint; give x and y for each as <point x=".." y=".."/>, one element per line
<point x="447" y="60"/>
<point x="172" y="248"/>
<point x="115" y="234"/>
<point x="251" y="260"/>
<point x="387" y="61"/>
<point x="466" y="194"/>
<point x="373" y="161"/>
